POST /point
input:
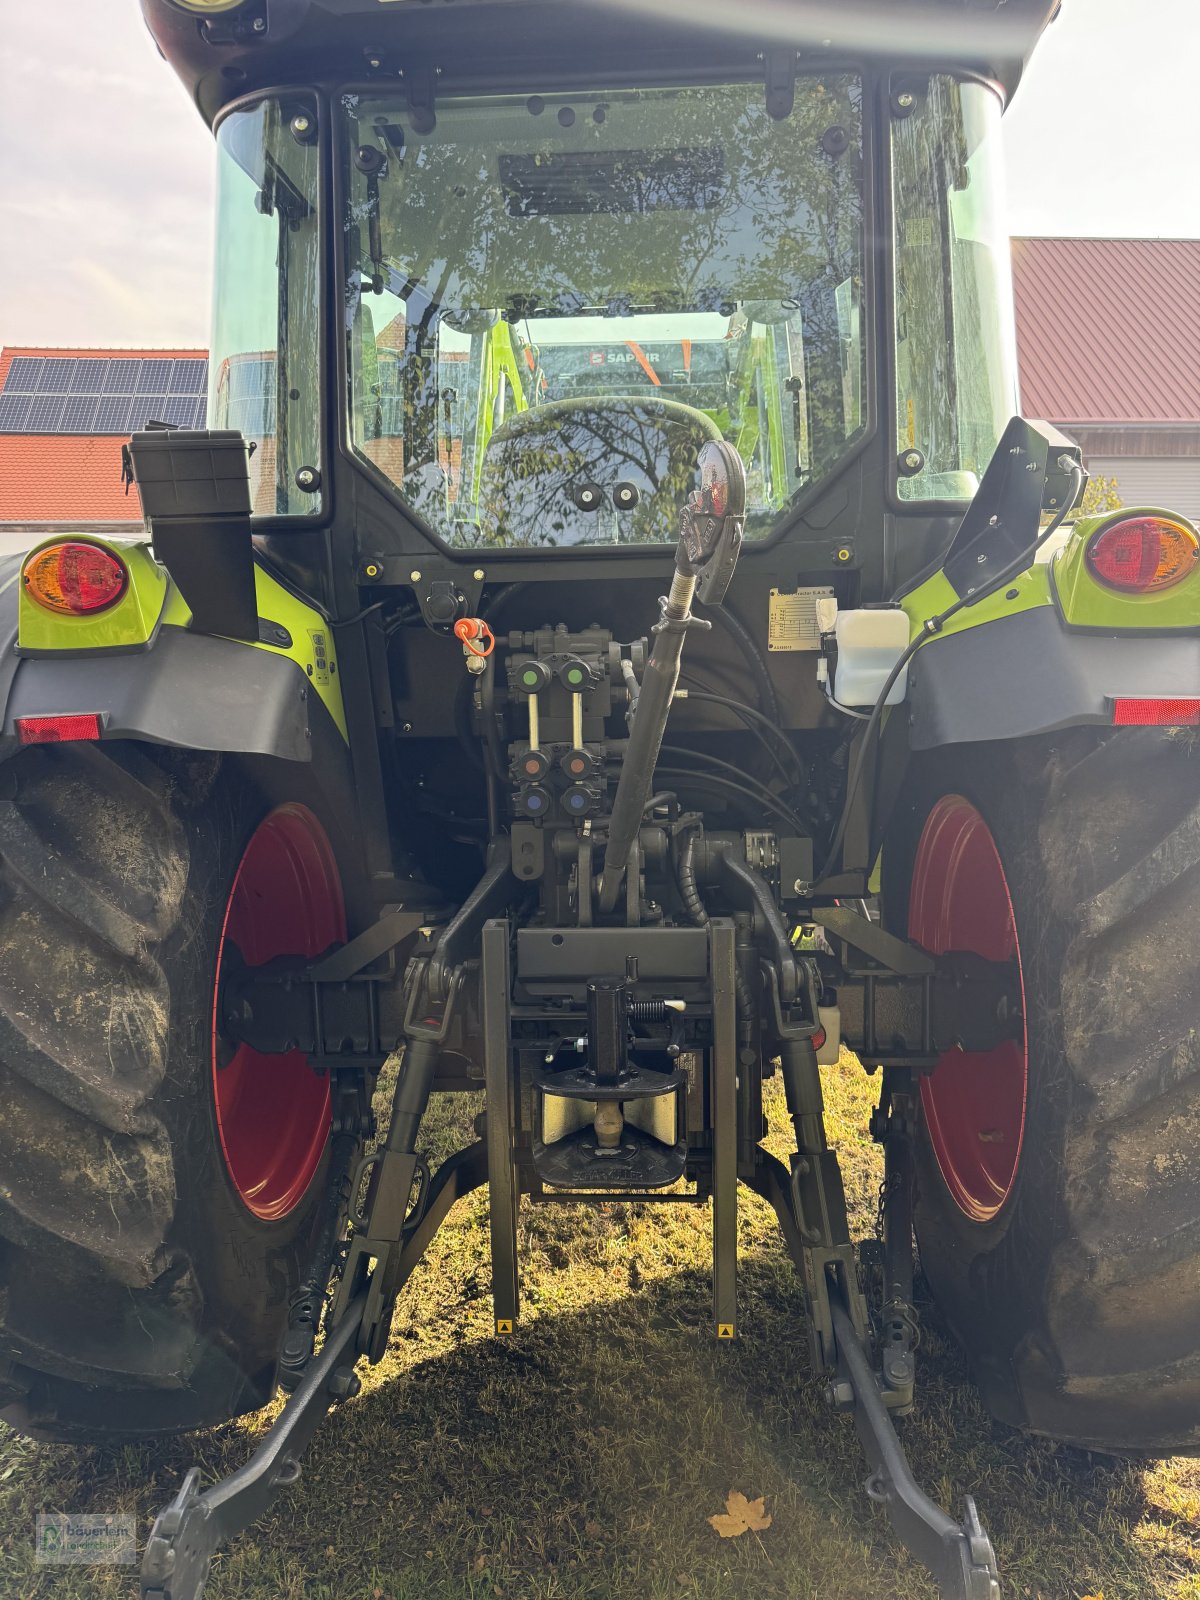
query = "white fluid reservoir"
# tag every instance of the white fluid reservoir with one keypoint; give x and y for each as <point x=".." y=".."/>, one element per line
<point x="869" y="644"/>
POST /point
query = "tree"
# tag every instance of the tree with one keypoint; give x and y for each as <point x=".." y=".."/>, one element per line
<point x="1100" y="496"/>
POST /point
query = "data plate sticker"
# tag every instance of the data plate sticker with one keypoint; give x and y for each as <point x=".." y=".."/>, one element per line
<point x="792" y="619"/>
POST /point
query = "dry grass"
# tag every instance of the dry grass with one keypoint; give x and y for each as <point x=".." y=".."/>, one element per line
<point x="581" y="1460"/>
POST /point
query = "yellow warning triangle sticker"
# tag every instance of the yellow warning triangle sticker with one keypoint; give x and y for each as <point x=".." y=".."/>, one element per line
<point x="724" y="1330"/>
<point x="503" y="1324"/>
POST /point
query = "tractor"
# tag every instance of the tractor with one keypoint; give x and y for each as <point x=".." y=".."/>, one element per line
<point x="616" y="640"/>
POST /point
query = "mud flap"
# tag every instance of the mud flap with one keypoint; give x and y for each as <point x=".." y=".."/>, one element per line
<point x="194" y="691"/>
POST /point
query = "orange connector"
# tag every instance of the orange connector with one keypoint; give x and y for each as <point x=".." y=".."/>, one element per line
<point x="473" y="629"/>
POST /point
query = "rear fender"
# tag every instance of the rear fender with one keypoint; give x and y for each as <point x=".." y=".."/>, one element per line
<point x="1014" y="666"/>
<point x="169" y="685"/>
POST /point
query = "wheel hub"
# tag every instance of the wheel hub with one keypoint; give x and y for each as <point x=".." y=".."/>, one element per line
<point x="974" y="1102"/>
<point x="273" y="1111"/>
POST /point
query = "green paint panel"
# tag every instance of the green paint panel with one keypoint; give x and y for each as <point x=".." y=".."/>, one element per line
<point x="1063" y="578"/>
<point x="129" y="625"/>
<point x="1026" y="592"/>
<point x="1087" y="603"/>
<point x="312" y="647"/>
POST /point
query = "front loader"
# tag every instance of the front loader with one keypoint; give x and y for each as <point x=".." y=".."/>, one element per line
<point x="614" y="642"/>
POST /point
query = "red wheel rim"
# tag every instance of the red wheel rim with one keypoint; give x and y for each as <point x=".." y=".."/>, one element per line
<point x="273" y="1110"/>
<point x="974" y="1102"/>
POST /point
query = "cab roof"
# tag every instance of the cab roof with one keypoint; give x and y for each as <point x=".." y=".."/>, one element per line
<point x="520" y="43"/>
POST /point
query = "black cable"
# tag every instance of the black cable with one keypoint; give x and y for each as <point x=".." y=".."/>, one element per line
<point x="500" y="598"/>
<point x="930" y="627"/>
<point x="468" y="738"/>
<point x="738" y="630"/>
<point x="487" y="707"/>
<point x="868" y="734"/>
<point x="698" y="913"/>
<point x="711" y="780"/>
<point x="401" y="620"/>
<point x="755" y="722"/>
<point x="752" y="785"/>
<point x="344" y="622"/>
<point x="664" y="797"/>
<point x="688" y="890"/>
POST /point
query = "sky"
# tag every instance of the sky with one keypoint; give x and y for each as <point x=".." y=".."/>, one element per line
<point x="106" y="170"/>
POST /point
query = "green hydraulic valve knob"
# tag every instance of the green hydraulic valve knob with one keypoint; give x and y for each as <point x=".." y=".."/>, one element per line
<point x="532" y="677"/>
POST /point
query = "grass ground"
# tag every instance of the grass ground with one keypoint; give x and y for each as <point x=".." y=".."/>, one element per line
<point x="581" y="1459"/>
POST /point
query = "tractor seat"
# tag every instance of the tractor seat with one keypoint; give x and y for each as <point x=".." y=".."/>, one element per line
<point x="598" y="470"/>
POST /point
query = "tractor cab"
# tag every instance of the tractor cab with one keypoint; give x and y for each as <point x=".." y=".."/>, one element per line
<point x="534" y="294"/>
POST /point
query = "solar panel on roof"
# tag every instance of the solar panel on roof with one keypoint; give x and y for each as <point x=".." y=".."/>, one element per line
<point x="14" y="408"/>
<point x="178" y="410"/>
<point x="94" y="395"/>
<point x="78" y="414"/>
<point x="89" y="377"/>
<point x="189" y="377"/>
<point x="44" y="412"/>
<point x="24" y="373"/>
<point x="113" y="415"/>
<point x="147" y="408"/>
<point x="154" y="377"/>
<point x="56" y="376"/>
<point x="123" y="377"/>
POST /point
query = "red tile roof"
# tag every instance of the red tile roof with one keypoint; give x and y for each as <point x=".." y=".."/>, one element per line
<point x="55" y="477"/>
<point x="60" y="477"/>
<point x="1109" y="330"/>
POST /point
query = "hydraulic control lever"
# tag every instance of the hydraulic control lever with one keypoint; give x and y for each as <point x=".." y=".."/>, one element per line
<point x="710" y="539"/>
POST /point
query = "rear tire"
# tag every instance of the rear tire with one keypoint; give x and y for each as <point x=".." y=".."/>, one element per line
<point x="139" y="1290"/>
<point x="1077" y="1293"/>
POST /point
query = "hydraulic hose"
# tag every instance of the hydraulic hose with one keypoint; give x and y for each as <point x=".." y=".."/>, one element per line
<point x="659" y="682"/>
<point x="752" y="655"/>
<point x="698" y="916"/>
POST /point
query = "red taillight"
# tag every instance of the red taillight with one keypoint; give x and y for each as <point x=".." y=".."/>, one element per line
<point x="1157" y="713"/>
<point x="1140" y="555"/>
<point x="75" y="579"/>
<point x="58" y="730"/>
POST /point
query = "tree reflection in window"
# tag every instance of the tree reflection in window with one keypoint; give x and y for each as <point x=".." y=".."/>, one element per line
<point x="543" y="289"/>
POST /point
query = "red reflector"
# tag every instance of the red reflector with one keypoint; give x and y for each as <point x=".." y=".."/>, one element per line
<point x="58" y="730"/>
<point x="1156" y="713"/>
<point x="819" y="1039"/>
<point x="1141" y="555"/>
<point x="75" y="579"/>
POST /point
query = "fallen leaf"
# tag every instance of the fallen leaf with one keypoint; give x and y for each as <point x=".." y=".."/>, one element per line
<point x="1099" y="1596"/>
<point x="740" y="1516"/>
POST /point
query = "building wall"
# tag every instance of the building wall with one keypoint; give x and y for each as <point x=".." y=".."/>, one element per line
<point x="1172" y="482"/>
